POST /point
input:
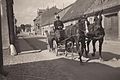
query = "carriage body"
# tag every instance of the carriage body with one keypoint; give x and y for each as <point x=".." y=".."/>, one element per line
<point x="60" y="38"/>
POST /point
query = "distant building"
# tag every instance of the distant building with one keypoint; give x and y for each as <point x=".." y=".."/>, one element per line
<point x="37" y="21"/>
<point x="45" y="20"/>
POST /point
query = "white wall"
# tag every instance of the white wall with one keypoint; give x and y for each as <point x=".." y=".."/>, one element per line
<point x="119" y="24"/>
<point x="47" y="27"/>
<point x="4" y="23"/>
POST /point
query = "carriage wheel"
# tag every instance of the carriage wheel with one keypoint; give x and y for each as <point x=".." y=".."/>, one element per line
<point x="71" y="48"/>
<point x="55" y="47"/>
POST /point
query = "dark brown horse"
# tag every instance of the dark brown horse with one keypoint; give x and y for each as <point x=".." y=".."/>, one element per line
<point x="96" y="33"/>
<point x="76" y="34"/>
<point x="81" y="38"/>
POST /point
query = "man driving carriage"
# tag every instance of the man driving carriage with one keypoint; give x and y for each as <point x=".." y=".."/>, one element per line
<point x="58" y="29"/>
<point x="58" y="24"/>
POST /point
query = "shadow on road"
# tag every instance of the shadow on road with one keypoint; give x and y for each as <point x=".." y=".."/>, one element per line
<point x="106" y="56"/>
<point x="29" y="44"/>
<point x="62" y="69"/>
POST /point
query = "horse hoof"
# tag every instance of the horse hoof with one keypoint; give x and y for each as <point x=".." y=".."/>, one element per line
<point x="56" y="54"/>
<point x="101" y="59"/>
<point x="65" y="55"/>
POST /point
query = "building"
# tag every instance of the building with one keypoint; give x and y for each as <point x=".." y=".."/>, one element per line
<point x="62" y="13"/>
<point x="78" y="8"/>
<point x="5" y="29"/>
<point x="8" y="24"/>
<point x="37" y="22"/>
<point x="71" y="14"/>
<point x="45" y="19"/>
<point x="111" y="15"/>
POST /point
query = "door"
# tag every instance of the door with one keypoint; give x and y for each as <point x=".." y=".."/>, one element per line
<point x="111" y="26"/>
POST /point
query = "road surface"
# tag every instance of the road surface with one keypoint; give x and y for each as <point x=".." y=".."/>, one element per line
<point x="45" y="65"/>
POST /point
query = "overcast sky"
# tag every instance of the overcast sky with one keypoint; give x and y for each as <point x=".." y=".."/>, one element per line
<point x="26" y="10"/>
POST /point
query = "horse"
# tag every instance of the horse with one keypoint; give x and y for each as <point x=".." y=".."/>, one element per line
<point x="96" y="33"/>
<point x="81" y="38"/>
<point x="76" y="34"/>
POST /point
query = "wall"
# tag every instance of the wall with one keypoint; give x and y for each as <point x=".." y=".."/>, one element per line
<point x="10" y="17"/>
<point x="111" y="26"/>
<point x="119" y="25"/>
<point x="5" y="30"/>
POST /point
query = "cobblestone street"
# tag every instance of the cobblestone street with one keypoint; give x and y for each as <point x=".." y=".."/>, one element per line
<point x="35" y="62"/>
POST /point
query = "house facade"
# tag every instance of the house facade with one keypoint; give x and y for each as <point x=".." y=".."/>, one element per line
<point x="37" y="22"/>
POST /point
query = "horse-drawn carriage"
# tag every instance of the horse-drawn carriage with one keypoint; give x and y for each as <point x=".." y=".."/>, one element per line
<point x="76" y="35"/>
<point x="59" y="40"/>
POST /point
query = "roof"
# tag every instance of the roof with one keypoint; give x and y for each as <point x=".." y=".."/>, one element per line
<point x="77" y="9"/>
<point x="48" y="16"/>
<point x="61" y="12"/>
<point x="101" y="5"/>
<point x="65" y="8"/>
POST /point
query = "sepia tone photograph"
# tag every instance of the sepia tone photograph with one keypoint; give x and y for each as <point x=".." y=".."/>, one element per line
<point x="60" y="40"/>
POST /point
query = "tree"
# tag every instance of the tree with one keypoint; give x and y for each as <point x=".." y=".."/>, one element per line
<point x="22" y="27"/>
<point x="28" y="27"/>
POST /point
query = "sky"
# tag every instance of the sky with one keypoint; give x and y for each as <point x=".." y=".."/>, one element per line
<point x="26" y="10"/>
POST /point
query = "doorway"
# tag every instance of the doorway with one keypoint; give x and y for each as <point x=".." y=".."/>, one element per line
<point x="111" y="26"/>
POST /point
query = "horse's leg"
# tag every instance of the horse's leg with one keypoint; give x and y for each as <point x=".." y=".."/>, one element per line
<point x="72" y="47"/>
<point x="88" y="43"/>
<point x="87" y="47"/>
<point x="94" y="48"/>
<point x="66" y="48"/>
<point x="49" y="44"/>
<point x="78" y="50"/>
<point x="100" y="47"/>
<point x="82" y="47"/>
